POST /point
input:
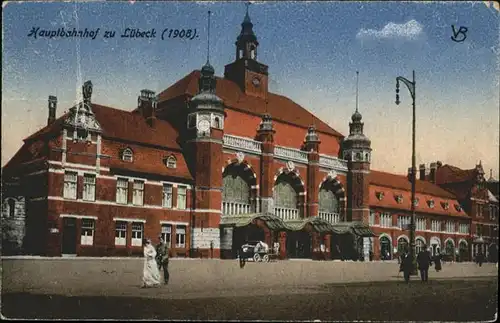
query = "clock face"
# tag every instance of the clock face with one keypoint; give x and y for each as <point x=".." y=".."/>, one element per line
<point x="204" y="125"/>
<point x="256" y="81"/>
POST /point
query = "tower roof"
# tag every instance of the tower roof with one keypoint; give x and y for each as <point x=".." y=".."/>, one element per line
<point x="247" y="33"/>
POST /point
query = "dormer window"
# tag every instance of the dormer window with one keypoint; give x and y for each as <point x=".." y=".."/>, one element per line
<point x="170" y="162"/>
<point x="127" y="155"/>
<point x="398" y="198"/>
<point x="430" y="203"/>
<point x="416" y="201"/>
<point x="445" y="205"/>
<point x="379" y="195"/>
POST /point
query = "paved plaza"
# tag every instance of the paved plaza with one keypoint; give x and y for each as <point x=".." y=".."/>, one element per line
<point x="220" y="289"/>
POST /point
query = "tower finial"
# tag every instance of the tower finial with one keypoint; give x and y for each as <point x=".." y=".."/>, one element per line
<point x="208" y="38"/>
<point x="248" y="5"/>
<point x="357" y="89"/>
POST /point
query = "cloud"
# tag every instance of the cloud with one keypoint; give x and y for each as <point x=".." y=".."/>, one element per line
<point x="410" y="30"/>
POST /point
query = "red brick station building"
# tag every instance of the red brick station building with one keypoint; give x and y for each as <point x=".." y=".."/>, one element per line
<point x="212" y="162"/>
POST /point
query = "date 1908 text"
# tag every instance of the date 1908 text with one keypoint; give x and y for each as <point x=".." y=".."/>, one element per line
<point x="179" y="33"/>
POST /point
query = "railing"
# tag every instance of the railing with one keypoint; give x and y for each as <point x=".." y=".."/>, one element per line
<point x="332" y="162"/>
<point x="286" y="213"/>
<point x="291" y="154"/>
<point x="330" y="217"/>
<point x="241" y="143"/>
<point x="235" y="208"/>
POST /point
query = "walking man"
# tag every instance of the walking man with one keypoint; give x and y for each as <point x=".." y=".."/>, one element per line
<point x="424" y="261"/>
<point x="406" y="266"/>
<point x="162" y="258"/>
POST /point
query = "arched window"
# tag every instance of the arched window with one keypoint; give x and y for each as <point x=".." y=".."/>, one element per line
<point x="402" y="245"/>
<point x="127" y="155"/>
<point x="385" y="248"/>
<point x="12" y="208"/>
<point x="462" y="245"/>
<point x="236" y="198"/>
<point x="419" y="245"/>
<point x="450" y="247"/>
<point x="171" y="162"/>
<point x="217" y="123"/>
<point x="285" y="195"/>
<point x="329" y="208"/>
<point x="328" y="202"/>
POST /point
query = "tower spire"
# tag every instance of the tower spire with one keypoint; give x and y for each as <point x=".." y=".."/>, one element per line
<point x="208" y="38"/>
<point x="357" y="89"/>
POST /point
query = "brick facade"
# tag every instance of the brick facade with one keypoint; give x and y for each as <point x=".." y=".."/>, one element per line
<point x="98" y="179"/>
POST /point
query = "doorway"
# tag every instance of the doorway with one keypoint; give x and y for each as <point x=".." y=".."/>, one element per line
<point x="298" y="244"/>
<point x="69" y="236"/>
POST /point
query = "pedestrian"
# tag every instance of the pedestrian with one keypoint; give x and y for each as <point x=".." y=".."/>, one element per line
<point x="437" y="262"/>
<point x="241" y="257"/>
<point x="479" y="258"/>
<point x="406" y="266"/>
<point x="424" y="261"/>
<point x="400" y="263"/>
<point x="162" y="258"/>
<point x="151" y="274"/>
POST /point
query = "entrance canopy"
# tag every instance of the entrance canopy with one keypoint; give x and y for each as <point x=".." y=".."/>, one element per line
<point x="272" y="221"/>
<point x="318" y="224"/>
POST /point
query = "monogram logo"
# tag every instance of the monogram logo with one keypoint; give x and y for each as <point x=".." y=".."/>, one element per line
<point x="462" y="30"/>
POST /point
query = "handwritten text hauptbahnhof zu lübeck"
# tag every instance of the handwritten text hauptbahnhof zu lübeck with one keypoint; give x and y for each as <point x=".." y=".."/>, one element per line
<point x="134" y="33"/>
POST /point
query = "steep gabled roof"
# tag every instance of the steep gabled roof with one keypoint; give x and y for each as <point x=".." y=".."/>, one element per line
<point x="401" y="182"/>
<point x="394" y="186"/>
<point x="450" y="174"/>
<point x="125" y="125"/>
<point x="281" y="108"/>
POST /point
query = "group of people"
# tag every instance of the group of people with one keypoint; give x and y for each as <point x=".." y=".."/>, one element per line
<point x="424" y="261"/>
<point x="154" y="260"/>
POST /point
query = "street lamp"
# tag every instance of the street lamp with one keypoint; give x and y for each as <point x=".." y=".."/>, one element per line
<point x="411" y="88"/>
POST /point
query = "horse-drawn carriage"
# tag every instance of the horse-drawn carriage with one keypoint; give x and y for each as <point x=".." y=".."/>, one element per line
<point x="258" y="251"/>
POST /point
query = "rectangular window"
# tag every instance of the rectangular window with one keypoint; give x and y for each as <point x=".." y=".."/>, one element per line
<point x="137" y="234"/>
<point x="70" y="181"/>
<point x="435" y="226"/>
<point x="167" y="195"/>
<point x="87" y="235"/>
<point x="120" y="233"/>
<point x="180" y="237"/>
<point x="181" y="197"/>
<point x="463" y="228"/>
<point x="479" y="230"/>
<point x="421" y="224"/>
<point x="138" y="193"/>
<point x="89" y="187"/>
<point x="386" y="220"/>
<point x="372" y="218"/>
<point x="122" y="190"/>
<point x="166" y="234"/>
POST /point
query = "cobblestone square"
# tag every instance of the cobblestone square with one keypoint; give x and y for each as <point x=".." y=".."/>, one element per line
<point x="215" y="289"/>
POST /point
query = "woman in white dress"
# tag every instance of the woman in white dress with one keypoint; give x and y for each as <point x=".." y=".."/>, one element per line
<point x="151" y="274"/>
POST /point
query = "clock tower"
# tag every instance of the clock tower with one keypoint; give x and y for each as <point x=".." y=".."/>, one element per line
<point x="357" y="152"/>
<point x="205" y="125"/>
<point x="250" y="75"/>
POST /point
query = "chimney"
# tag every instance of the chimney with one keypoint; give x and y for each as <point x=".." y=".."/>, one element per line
<point x="432" y="175"/>
<point x="147" y="106"/>
<point x="422" y="172"/>
<point x="409" y="175"/>
<point x="52" y="109"/>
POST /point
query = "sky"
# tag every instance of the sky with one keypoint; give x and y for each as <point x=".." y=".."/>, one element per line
<point x="313" y="50"/>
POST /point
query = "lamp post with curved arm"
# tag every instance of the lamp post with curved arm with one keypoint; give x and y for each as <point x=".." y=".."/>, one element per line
<point x="411" y="87"/>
